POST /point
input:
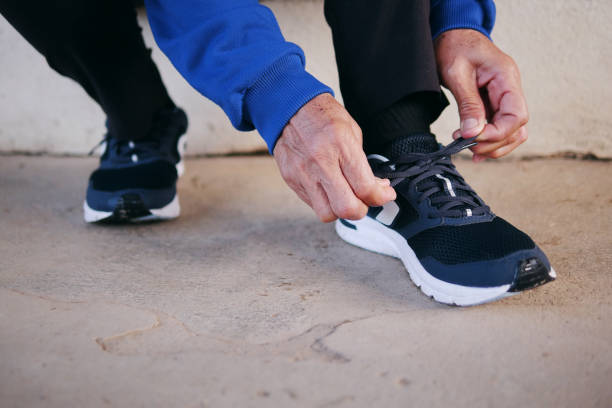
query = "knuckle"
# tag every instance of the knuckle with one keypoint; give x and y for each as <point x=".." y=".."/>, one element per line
<point x="344" y="212"/>
<point x="363" y="189"/>
<point x="508" y="63"/>
<point x="361" y="212"/>
<point x="326" y="216"/>
<point x="335" y="127"/>
<point x="469" y="105"/>
<point x="352" y="211"/>
<point x="357" y="131"/>
<point x="478" y="149"/>
<point x="496" y="154"/>
<point x="514" y="69"/>
<point x="345" y="209"/>
<point x="523" y="117"/>
<point x="455" y="71"/>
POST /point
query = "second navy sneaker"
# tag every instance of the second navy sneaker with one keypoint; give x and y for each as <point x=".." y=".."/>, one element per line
<point x="136" y="179"/>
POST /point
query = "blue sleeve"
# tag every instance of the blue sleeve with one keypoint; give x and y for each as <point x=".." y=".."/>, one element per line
<point x="233" y="53"/>
<point x="447" y="15"/>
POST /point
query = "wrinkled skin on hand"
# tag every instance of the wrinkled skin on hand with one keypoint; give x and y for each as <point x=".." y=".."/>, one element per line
<point x="320" y="153"/>
<point x="487" y="86"/>
<point x="320" y="156"/>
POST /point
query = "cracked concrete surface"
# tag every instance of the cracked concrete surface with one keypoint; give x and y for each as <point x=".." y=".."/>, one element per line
<point x="247" y="300"/>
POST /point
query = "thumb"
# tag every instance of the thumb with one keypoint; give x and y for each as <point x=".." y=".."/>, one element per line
<point x="471" y="108"/>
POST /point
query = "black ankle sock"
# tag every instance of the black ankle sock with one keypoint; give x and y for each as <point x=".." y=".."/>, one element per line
<point x="404" y="126"/>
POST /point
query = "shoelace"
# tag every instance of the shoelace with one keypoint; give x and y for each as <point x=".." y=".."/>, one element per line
<point x="140" y="148"/>
<point x="434" y="177"/>
<point x="135" y="150"/>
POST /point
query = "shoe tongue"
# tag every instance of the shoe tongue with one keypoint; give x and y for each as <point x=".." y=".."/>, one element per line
<point x="423" y="143"/>
<point x="414" y="143"/>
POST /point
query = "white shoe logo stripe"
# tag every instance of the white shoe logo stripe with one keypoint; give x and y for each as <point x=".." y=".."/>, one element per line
<point x="449" y="186"/>
<point x="388" y="213"/>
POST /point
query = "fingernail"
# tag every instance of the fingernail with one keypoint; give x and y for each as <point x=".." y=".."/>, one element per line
<point x="456" y="134"/>
<point x="469" y="124"/>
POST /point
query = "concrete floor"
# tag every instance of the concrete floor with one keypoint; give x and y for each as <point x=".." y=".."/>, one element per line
<point x="247" y="300"/>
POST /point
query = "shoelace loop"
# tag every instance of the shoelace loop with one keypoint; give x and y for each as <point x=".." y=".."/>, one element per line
<point x="129" y="149"/>
<point x="436" y="179"/>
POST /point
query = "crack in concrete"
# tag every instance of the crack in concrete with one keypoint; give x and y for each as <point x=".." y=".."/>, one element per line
<point x="315" y="337"/>
<point x="43" y="297"/>
<point x="310" y="343"/>
<point x="337" y="401"/>
<point x="104" y="343"/>
<point x="319" y="345"/>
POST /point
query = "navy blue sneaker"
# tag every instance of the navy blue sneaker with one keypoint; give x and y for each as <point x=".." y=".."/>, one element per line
<point x="136" y="180"/>
<point x="454" y="248"/>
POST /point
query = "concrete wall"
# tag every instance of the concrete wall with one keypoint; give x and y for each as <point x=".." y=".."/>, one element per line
<point x="563" y="47"/>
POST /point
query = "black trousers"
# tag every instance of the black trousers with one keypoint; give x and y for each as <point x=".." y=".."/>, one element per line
<point x="99" y="44"/>
<point x="383" y="49"/>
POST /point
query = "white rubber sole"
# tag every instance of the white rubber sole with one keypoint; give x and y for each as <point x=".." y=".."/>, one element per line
<point x="374" y="236"/>
<point x="168" y="212"/>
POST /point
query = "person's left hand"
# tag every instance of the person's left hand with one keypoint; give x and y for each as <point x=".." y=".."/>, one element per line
<point x="487" y="86"/>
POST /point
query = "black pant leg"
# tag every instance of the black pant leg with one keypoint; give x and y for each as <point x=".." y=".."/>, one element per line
<point x="99" y="44"/>
<point x="386" y="64"/>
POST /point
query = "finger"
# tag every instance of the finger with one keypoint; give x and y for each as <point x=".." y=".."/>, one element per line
<point x="504" y="150"/>
<point x="319" y="201"/>
<point x="486" y="148"/>
<point x="342" y="199"/>
<point x="383" y="182"/>
<point x="510" y="115"/>
<point x="477" y="158"/>
<point x="461" y="80"/>
<point x="358" y="174"/>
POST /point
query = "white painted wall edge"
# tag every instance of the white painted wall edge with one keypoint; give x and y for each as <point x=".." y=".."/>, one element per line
<point x="563" y="48"/>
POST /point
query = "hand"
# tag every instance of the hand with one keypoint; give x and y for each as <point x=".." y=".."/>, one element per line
<point x="487" y="86"/>
<point x="320" y="156"/>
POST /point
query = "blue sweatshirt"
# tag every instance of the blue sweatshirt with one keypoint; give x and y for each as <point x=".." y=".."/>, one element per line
<point x="233" y="52"/>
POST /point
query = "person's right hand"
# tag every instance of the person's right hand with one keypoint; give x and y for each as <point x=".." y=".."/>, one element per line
<point x="320" y="156"/>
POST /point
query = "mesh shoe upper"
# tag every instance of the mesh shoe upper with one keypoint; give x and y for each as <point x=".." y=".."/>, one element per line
<point x="146" y="164"/>
<point x="151" y="175"/>
<point x="481" y="241"/>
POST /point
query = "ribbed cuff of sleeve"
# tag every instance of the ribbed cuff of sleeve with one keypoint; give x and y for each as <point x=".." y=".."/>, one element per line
<point x="477" y="15"/>
<point x="278" y="94"/>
